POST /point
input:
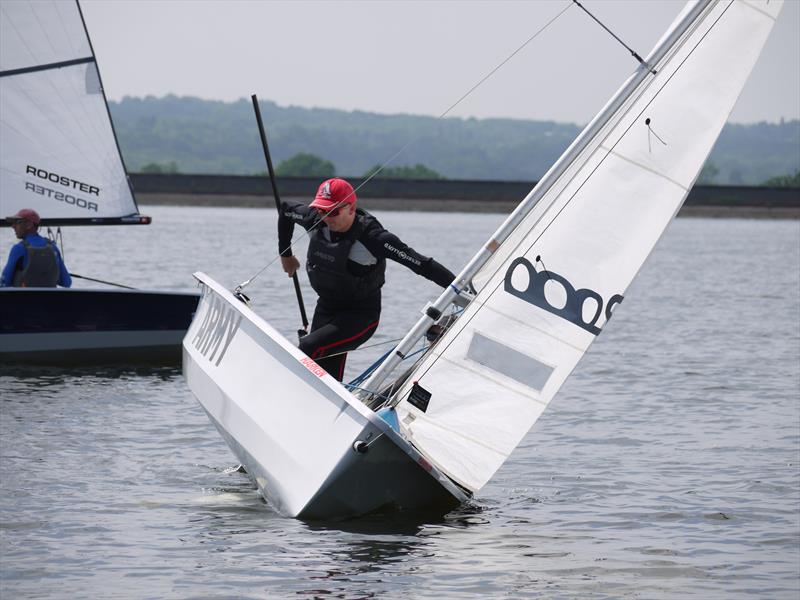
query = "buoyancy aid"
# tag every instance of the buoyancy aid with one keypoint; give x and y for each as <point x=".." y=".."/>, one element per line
<point x="42" y="268"/>
<point x="327" y="269"/>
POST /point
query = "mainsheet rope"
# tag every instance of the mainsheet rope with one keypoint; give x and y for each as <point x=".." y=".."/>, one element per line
<point x="57" y="239"/>
<point x="247" y="282"/>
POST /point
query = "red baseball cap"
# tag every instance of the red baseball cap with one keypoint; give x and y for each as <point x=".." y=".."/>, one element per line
<point x="333" y="192"/>
<point x="29" y="215"/>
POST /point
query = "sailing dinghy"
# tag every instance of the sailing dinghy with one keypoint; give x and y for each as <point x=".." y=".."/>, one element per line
<point x="546" y="283"/>
<point x="59" y="156"/>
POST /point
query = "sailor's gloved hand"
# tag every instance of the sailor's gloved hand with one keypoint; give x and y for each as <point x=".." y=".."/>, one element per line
<point x="290" y="265"/>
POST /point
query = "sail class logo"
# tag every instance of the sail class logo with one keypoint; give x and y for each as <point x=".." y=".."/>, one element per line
<point x="573" y="309"/>
<point x="65" y="181"/>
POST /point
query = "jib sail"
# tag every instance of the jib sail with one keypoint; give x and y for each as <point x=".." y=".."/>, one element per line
<point x="551" y="286"/>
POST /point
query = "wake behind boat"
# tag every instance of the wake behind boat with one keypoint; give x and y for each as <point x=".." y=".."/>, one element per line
<point x="59" y="156"/>
<point x="547" y="282"/>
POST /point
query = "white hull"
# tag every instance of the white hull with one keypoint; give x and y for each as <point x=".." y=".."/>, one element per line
<point x="294" y="427"/>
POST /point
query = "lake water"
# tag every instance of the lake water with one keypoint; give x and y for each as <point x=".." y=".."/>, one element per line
<point x="667" y="467"/>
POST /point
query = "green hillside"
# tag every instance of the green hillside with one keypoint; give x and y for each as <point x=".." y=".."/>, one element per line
<point x="203" y="136"/>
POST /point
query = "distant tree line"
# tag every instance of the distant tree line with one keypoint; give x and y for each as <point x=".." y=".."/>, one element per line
<point x="170" y="167"/>
<point x="792" y="181"/>
<point x="190" y="135"/>
<point x="304" y="164"/>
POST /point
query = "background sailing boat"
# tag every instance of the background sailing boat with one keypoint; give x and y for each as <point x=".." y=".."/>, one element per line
<point x="547" y="282"/>
<point x="59" y="156"/>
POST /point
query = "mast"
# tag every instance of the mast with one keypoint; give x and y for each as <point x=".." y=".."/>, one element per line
<point x="462" y="280"/>
<point x="135" y="219"/>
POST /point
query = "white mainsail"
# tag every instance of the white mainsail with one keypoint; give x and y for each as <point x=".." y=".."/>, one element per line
<point x="58" y="151"/>
<point x="549" y="289"/>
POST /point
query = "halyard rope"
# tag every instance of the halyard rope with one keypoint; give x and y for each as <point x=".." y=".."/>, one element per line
<point x="615" y="36"/>
<point x="244" y="284"/>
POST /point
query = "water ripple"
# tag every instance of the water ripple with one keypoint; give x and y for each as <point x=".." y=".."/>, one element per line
<point x="668" y="466"/>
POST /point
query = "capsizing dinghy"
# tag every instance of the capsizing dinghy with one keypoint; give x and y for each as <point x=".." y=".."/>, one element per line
<point x="545" y="285"/>
<point x="314" y="450"/>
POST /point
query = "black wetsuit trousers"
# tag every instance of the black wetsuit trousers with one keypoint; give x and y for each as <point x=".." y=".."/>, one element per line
<point x="336" y="330"/>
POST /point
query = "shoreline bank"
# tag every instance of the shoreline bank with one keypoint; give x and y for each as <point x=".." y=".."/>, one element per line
<point x="448" y="205"/>
<point x="438" y="195"/>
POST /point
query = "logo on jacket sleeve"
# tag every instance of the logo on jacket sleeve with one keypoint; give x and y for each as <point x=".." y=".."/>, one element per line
<point x="402" y="255"/>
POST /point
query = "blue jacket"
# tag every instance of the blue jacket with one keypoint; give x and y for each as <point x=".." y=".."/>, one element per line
<point x="18" y="253"/>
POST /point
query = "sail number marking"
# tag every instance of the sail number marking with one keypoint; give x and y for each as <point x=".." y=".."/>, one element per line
<point x="572" y="310"/>
<point x="217" y="330"/>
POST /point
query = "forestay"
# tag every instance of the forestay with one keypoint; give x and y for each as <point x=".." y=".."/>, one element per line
<point x="58" y="151"/>
<point x="550" y="288"/>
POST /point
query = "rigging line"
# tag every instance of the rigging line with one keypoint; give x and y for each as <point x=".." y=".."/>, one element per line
<point x="508" y="58"/>
<point x="127" y="287"/>
<point x="110" y="121"/>
<point x="468" y="92"/>
<point x="628" y="48"/>
<point x="306" y="233"/>
<point x="394" y="389"/>
<point x="362" y="348"/>
<point x="399" y="152"/>
<point x="57" y="239"/>
<point x="371" y="401"/>
<point x="351" y="387"/>
<point x="396" y="154"/>
<point x="645" y="86"/>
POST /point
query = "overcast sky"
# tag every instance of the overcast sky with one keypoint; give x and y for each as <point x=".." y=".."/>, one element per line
<point x="408" y="57"/>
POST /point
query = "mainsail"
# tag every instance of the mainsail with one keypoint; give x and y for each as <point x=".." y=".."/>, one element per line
<point x="554" y="281"/>
<point x="58" y="151"/>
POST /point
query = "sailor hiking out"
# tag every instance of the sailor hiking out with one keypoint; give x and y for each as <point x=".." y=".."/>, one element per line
<point x="34" y="261"/>
<point x="346" y="265"/>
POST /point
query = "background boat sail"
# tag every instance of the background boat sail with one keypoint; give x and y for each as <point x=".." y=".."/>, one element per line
<point x="547" y="283"/>
<point x="59" y="155"/>
<point x="58" y="150"/>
